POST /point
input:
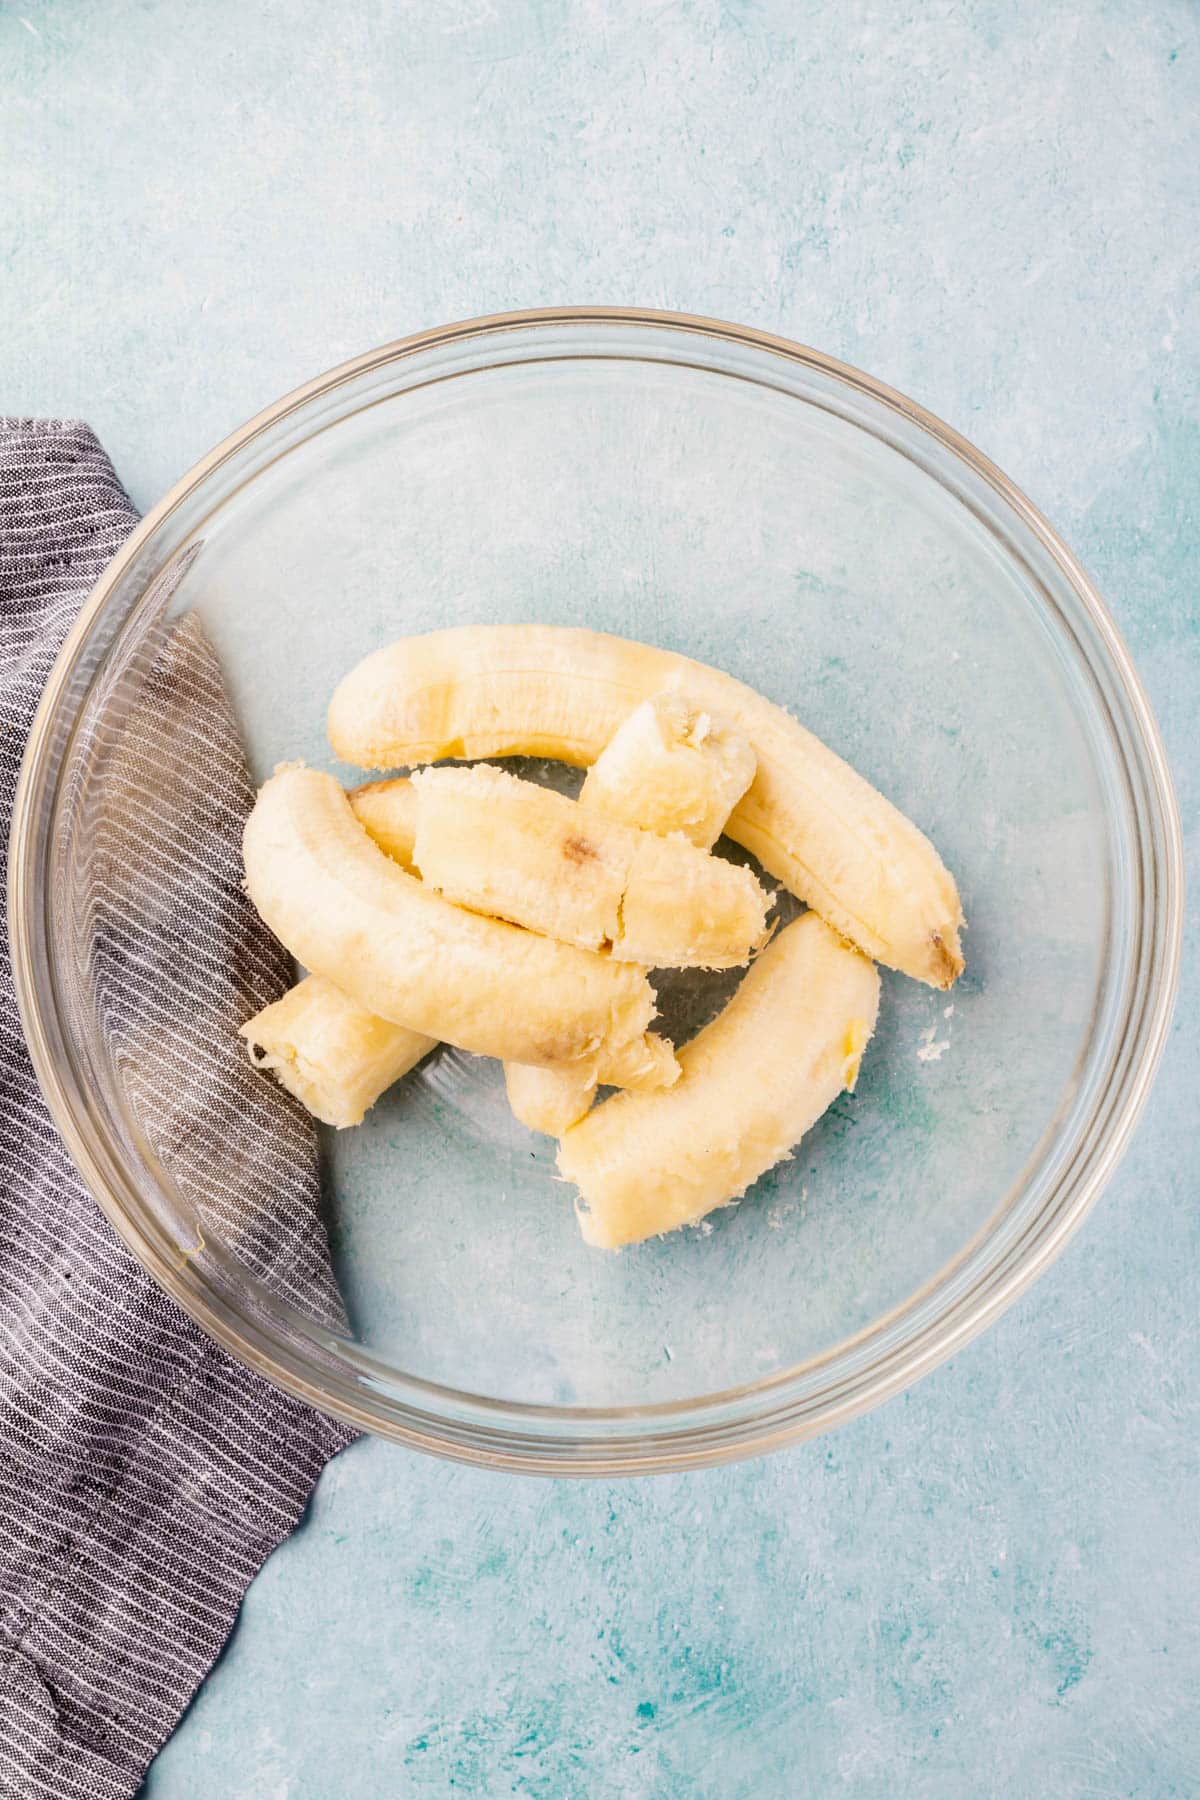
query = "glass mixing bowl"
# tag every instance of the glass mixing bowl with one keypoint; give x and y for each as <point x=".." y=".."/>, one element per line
<point x="764" y="508"/>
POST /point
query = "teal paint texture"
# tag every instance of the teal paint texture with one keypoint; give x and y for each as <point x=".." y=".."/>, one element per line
<point x="989" y="1586"/>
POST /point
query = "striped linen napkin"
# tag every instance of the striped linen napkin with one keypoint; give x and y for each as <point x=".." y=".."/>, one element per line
<point x="144" y="1476"/>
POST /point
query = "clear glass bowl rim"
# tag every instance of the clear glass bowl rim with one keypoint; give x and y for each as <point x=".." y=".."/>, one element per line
<point x="785" y="1408"/>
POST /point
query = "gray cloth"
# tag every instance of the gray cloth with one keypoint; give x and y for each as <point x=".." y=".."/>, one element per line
<point x="144" y="1476"/>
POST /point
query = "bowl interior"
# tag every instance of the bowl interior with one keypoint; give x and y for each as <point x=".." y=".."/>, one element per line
<point x="775" y="529"/>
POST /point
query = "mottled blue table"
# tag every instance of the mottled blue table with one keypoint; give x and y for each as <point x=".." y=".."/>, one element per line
<point x="991" y="1585"/>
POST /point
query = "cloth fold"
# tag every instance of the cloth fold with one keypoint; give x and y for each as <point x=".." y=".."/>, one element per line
<point x="144" y="1475"/>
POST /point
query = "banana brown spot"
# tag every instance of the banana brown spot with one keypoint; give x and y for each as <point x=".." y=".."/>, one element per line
<point x="948" y="966"/>
<point x="578" y="850"/>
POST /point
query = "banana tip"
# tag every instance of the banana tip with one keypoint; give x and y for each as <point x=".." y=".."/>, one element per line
<point x="947" y="960"/>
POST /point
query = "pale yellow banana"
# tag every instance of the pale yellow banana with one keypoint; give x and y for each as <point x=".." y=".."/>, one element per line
<point x="753" y="1083"/>
<point x="475" y="691"/>
<point x="336" y="1058"/>
<point x="521" y="852"/>
<point x="347" y="911"/>
<point x="671" y="767"/>
<point x="387" y="812"/>
<point x="549" y="1100"/>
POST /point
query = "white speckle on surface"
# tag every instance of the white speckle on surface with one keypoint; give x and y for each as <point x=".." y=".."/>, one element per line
<point x="948" y="1012"/>
<point x="931" y="1050"/>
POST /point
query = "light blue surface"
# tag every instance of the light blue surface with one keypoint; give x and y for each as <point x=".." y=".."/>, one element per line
<point x="990" y="1586"/>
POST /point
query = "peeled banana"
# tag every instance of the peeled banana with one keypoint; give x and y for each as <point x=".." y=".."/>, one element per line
<point x="753" y="1082"/>
<point x="504" y="690"/>
<point x="350" y="913"/>
<point x="522" y="852"/>
<point x="671" y="767"/>
<point x="336" y="1058"/>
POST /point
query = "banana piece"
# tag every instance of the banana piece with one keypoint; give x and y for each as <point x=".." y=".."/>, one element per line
<point x="387" y="812"/>
<point x="753" y="1083"/>
<point x="334" y="1057"/>
<point x="349" y="913"/>
<point x="522" y="852"/>
<point x="544" y="690"/>
<point x="549" y="1100"/>
<point x="671" y="767"/>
